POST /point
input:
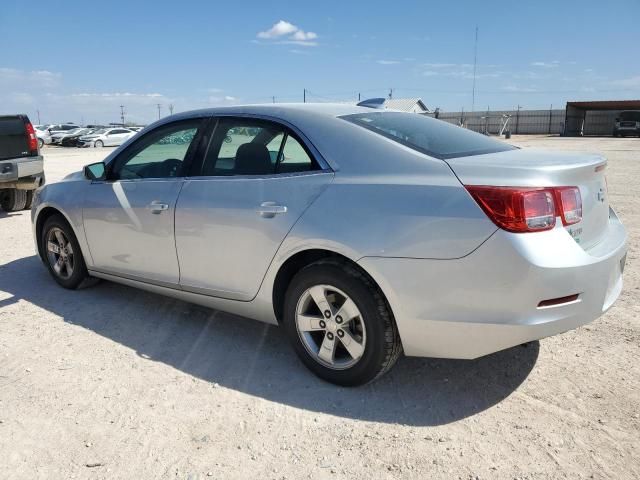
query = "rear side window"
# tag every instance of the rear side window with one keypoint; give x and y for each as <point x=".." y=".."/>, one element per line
<point x="254" y="147"/>
<point x="427" y="135"/>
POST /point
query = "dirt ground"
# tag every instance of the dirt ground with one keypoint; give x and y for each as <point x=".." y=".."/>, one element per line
<point x="112" y="382"/>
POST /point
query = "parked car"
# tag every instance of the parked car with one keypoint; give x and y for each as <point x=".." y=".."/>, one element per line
<point x="57" y="137"/>
<point x="21" y="166"/>
<point x="628" y="123"/>
<point x="62" y="127"/>
<point x="43" y="135"/>
<point x="106" y="137"/>
<point x="362" y="232"/>
<point x="72" y="139"/>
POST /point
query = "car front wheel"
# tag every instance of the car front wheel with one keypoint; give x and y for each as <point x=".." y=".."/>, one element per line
<point x="98" y="144"/>
<point x="62" y="254"/>
<point x="340" y="324"/>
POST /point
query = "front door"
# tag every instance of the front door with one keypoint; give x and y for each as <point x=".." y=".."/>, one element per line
<point x="129" y="218"/>
<point x="256" y="181"/>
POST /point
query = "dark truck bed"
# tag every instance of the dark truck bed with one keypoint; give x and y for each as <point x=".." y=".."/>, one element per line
<point x="21" y="165"/>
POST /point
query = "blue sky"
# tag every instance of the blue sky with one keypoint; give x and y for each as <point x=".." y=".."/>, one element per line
<point x="78" y="61"/>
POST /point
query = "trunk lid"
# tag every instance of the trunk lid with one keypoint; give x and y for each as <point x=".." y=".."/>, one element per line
<point x="542" y="168"/>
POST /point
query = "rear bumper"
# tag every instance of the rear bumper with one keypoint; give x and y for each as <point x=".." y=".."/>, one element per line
<point x="488" y="300"/>
<point x="20" y="170"/>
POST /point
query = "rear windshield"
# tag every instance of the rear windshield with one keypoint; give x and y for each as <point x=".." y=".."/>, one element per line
<point x="427" y="135"/>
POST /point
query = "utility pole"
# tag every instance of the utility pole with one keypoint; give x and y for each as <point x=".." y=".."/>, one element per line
<point x="518" y="118"/>
<point x="122" y="114"/>
<point x="475" y="63"/>
<point x="358" y="96"/>
<point x="159" y="107"/>
<point x="273" y="99"/>
<point x="304" y="96"/>
<point x="38" y="111"/>
<point x="390" y="93"/>
<point x="171" y="109"/>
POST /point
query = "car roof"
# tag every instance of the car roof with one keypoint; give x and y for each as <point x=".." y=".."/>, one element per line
<point x="284" y="111"/>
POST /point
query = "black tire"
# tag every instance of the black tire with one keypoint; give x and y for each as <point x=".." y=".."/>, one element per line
<point x="79" y="274"/>
<point x="13" y="200"/>
<point x="29" y="202"/>
<point x="382" y="346"/>
<point x="98" y="144"/>
<point x="40" y="143"/>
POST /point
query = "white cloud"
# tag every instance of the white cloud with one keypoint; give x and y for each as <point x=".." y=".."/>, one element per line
<point x="223" y="100"/>
<point x="23" y="78"/>
<point x="553" y="64"/>
<point x="632" y="82"/>
<point x="517" y="89"/>
<point x="388" y="62"/>
<point x="440" y="65"/>
<point x="301" y="35"/>
<point x="278" y="29"/>
<point x="283" y="32"/>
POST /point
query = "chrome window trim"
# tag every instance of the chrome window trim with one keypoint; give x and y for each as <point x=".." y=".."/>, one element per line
<point x="261" y="177"/>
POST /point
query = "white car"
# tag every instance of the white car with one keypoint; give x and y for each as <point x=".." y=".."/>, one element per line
<point x="43" y="135"/>
<point x="107" y="137"/>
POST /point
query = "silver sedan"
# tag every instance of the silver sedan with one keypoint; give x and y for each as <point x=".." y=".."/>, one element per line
<point x="363" y="232"/>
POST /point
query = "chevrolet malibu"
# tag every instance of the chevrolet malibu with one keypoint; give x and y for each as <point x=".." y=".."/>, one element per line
<point x="362" y="232"/>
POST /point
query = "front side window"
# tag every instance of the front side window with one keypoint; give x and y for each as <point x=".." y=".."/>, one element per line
<point x="160" y="153"/>
<point x="254" y="147"/>
<point x="427" y="135"/>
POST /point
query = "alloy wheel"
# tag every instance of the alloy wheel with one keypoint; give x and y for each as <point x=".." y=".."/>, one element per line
<point x="60" y="253"/>
<point x="331" y="327"/>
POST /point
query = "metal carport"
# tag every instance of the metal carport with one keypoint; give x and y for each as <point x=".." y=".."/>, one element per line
<point x="602" y="115"/>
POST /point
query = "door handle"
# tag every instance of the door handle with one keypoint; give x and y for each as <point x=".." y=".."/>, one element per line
<point x="271" y="209"/>
<point x="157" y="207"/>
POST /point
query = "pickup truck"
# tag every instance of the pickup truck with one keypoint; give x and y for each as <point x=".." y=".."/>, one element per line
<point x="21" y="165"/>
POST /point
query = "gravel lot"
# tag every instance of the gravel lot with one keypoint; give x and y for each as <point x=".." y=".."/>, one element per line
<point x="112" y="382"/>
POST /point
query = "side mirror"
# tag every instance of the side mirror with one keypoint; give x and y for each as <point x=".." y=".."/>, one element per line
<point x="95" y="171"/>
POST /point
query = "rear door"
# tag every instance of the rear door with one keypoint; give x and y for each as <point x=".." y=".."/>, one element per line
<point x="256" y="180"/>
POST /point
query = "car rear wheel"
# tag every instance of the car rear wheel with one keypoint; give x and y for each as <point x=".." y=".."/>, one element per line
<point x="340" y="324"/>
<point x="40" y="143"/>
<point x="99" y="144"/>
<point x="62" y="253"/>
<point x="13" y="200"/>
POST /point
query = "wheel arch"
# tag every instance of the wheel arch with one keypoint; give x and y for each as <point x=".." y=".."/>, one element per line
<point x="44" y="214"/>
<point x="300" y="260"/>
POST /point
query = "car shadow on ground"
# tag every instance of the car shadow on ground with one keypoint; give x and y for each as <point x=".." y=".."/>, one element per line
<point x="256" y="359"/>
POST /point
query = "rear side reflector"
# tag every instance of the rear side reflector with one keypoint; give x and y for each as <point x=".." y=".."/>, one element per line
<point x="552" y="302"/>
<point x="523" y="209"/>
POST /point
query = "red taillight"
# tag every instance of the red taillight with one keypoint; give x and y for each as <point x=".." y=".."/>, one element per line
<point x="31" y="137"/>
<point x="517" y="209"/>
<point x="525" y="209"/>
<point x="569" y="204"/>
